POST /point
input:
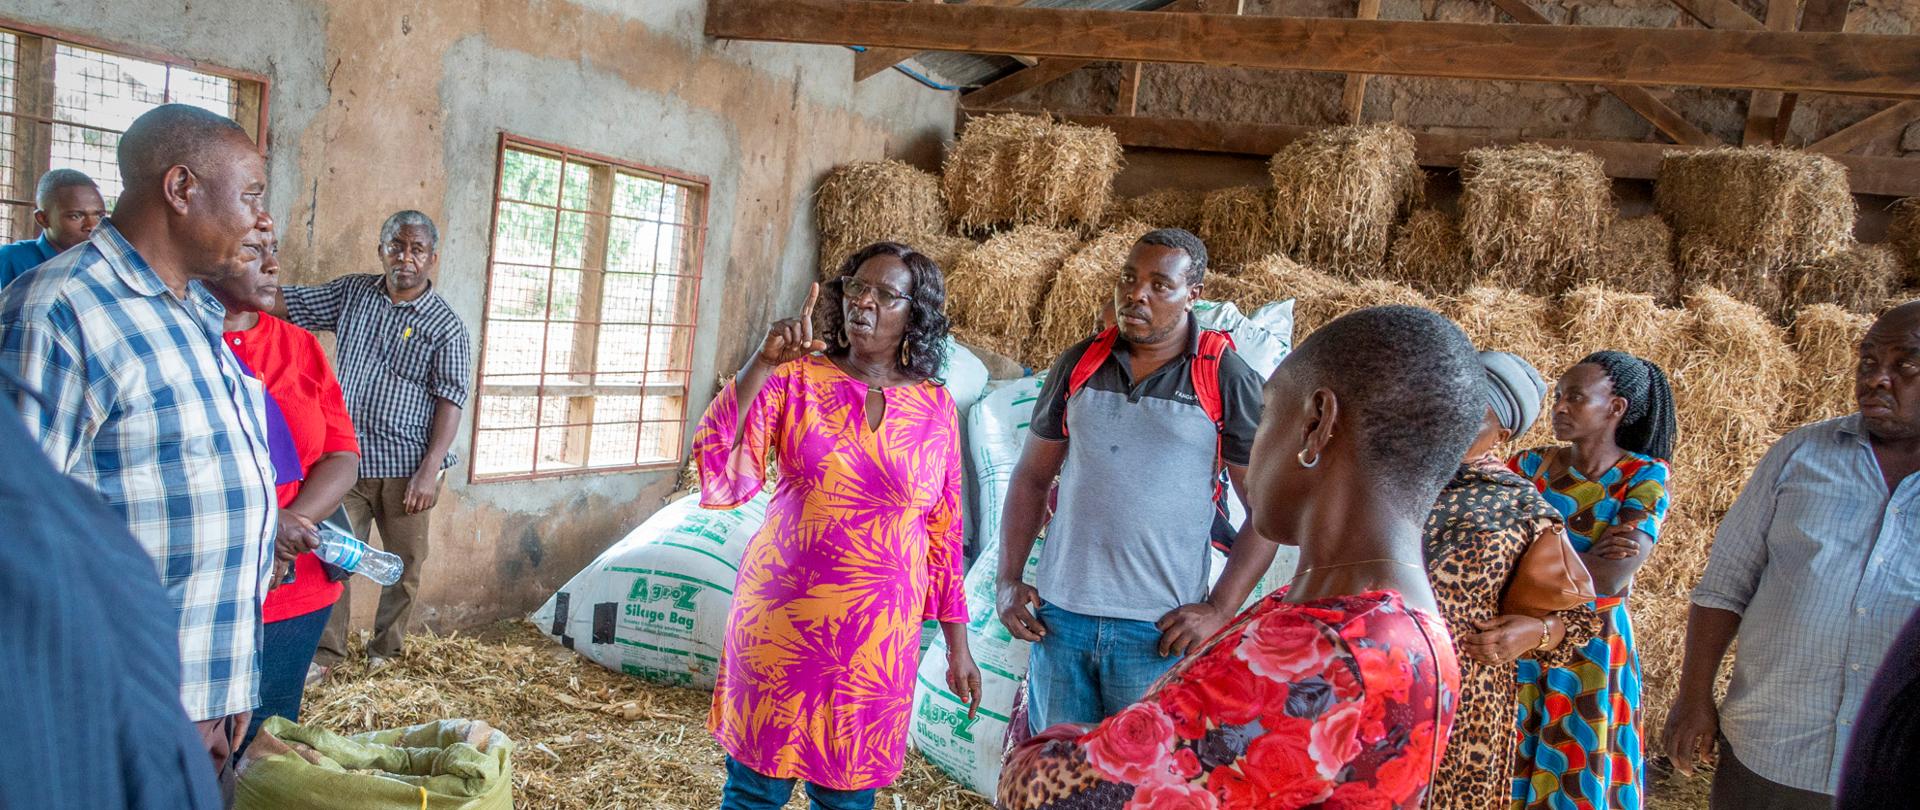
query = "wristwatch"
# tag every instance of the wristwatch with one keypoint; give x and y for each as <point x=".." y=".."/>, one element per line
<point x="1546" y="634"/>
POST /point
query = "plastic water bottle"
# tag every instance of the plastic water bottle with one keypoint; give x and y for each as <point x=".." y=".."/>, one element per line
<point x="347" y="552"/>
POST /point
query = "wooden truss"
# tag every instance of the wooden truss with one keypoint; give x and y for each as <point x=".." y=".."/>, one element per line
<point x="1794" y="50"/>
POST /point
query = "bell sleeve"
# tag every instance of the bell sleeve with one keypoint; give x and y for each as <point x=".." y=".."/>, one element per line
<point x="731" y="452"/>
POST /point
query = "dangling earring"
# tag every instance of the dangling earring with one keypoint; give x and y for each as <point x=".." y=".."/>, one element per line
<point x="840" y="337"/>
<point x="1302" y="458"/>
<point x="906" y="359"/>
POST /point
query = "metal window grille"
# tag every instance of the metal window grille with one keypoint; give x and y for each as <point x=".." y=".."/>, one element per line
<point x="592" y="290"/>
<point x="64" y="105"/>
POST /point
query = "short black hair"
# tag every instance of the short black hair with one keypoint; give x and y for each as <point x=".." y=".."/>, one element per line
<point x="1408" y="382"/>
<point x="1186" y="242"/>
<point x="171" y="135"/>
<point x="52" y="182"/>
<point x="927" y="324"/>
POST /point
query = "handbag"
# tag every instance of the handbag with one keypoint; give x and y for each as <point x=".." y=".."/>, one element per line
<point x="1548" y="577"/>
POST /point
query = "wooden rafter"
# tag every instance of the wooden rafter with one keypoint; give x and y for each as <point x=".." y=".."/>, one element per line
<point x="1048" y="71"/>
<point x="872" y="61"/>
<point x="1878" y="125"/>
<point x="1763" y="106"/>
<point x="1819" y="15"/>
<point x="1722" y="14"/>
<point x="1664" y="118"/>
<point x="1629" y="159"/>
<point x="1127" y="100"/>
<point x="1353" y="97"/>
<point x="1857" y="64"/>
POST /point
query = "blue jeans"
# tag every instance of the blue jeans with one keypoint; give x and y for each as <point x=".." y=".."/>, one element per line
<point x="286" y="648"/>
<point x="1086" y="668"/>
<point x="748" y="789"/>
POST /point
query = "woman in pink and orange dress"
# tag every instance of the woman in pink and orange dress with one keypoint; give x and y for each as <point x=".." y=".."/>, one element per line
<point x="862" y="543"/>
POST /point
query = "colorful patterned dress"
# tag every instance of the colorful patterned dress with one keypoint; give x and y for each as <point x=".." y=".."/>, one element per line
<point x="862" y="543"/>
<point x="1485" y="519"/>
<point x="1337" y="703"/>
<point x="1580" y="724"/>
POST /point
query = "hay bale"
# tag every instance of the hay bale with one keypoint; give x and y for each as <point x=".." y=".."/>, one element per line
<point x="1164" y="208"/>
<point x="1533" y="216"/>
<point x="1316" y="295"/>
<point x="1504" y="320"/>
<point x="1338" y="191"/>
<point x="1027" y="170"/>
<point x="1744" y="215"/>
<point x="1636" y="256"/>
<point x="1071" y="310"/>
<point x="943" y="249"/>
<point x="1594" y="317"/>
<point x="1860" y="278"/>
<point x="1237" y="225"/>
<point x="1426" y="252"/>
<point x="1826" y="341"/>
<point x="994" y="291"/>
<point x="1903" y="232"/>
<point x="1731" y="392"/>
<point x="1659" y="633"/>
<point x="870" y="201"/>
<point x="1376" y="292"/>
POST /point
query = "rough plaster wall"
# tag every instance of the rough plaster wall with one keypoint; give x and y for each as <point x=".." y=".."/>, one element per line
<point x="378" y="105"/>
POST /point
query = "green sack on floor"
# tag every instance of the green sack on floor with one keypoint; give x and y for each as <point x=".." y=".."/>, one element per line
<point x="443" y="765"/>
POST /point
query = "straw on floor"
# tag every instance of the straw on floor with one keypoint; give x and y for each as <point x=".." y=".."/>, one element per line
<point x="586" y="738"/>
<point x="1533" y="216"/>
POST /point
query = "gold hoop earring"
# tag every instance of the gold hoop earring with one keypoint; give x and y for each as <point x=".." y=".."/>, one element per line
<point x="906" y="357"/>
<point x="1302" y="458"/>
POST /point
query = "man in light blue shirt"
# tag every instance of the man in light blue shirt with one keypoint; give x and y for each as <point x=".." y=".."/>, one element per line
<point x="69" y="208"/>
<point x="1815" y="569"/>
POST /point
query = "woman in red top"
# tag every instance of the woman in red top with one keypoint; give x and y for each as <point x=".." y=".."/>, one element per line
<point x="316" y="461"/>
<point x="1337" y="691"/>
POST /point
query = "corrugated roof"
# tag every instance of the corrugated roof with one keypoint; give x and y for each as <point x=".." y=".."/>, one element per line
<point x="973" y="70"/>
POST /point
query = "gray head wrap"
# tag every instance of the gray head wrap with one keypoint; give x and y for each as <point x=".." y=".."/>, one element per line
<point x="1514" y="390"/>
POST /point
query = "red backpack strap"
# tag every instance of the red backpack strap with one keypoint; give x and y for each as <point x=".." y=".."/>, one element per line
<point x="1097" y="353"/>
<point x="1206" y="387"/>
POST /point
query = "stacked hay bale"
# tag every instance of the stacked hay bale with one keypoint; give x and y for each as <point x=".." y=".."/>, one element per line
<point x="1744" y="216"/>
<point x="1860" y="278"/>
<point x="1165" y="208"/>
<point x="1426" y="251"/>
<point x="1635" y="256"/>
<point x="1731" y="388"/>
<point x="1338" y="192"/>
<point x="1903" y="233"/>
<point x="1533" y="216"/>
<point x="1500" y="319"/>
<point x="1826" y="339"/>
<point x="997" y="288"/>
<point x="1237" y="225"/>
<point x="1027" y="170"/>
<point x="1316" y="296"/>
<point x="872" y="201"/>
<point x="943" y="249"/>
<point x="1071" y="310"/>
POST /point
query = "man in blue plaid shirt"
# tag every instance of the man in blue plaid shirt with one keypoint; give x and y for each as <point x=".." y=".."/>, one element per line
<point x="144" y="404"/>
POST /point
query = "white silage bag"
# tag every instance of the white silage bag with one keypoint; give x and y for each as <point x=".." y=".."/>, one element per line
<point x="964" y="375"/>
<point x="1262" y="339"/>
<point x="996" y="431"/>
<point x="655" y="604"/>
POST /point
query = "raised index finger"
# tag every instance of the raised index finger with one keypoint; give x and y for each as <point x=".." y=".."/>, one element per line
<point x="806" y="315"/>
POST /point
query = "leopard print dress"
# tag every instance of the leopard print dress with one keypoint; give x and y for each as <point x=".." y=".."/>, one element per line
<point x="1485" y="519"/>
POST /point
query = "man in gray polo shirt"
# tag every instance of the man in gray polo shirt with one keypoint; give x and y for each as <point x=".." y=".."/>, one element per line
<point x="1122" y="582"/>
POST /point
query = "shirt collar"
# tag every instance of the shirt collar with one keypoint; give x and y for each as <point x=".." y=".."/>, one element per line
<point x="1849" y="425"/>
<point x="133" y="270"/>
<point x="47" y="250"/>
<point x="380" y="282"/>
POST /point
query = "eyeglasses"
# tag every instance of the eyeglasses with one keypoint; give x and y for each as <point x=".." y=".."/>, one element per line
<point x="856" y="289"/>
<point x="416" y="249"/>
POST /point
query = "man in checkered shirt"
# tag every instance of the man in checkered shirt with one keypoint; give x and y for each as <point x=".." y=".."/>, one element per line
<point x="404" y="364"/>
<point x="139" y="399"/>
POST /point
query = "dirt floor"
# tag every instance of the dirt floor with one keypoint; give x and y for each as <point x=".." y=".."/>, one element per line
<point x="588" y="738"/>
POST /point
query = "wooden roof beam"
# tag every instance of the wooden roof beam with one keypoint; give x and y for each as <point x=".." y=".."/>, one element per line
<point x="1890" y="176"/>
<point x="1860" y="133"/>
<point x="873" y="61"/>
<point x="1353" y="96"/>
<point x="1858" y="64"/>
<point x="1663" y="117"/>
<point x="1047" y="71"/>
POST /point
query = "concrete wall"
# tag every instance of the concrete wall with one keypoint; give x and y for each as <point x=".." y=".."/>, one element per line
<point x="379" y="105"/>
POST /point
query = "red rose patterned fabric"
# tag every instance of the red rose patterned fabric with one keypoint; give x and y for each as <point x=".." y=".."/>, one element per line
<point x="1336" y="703"/>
